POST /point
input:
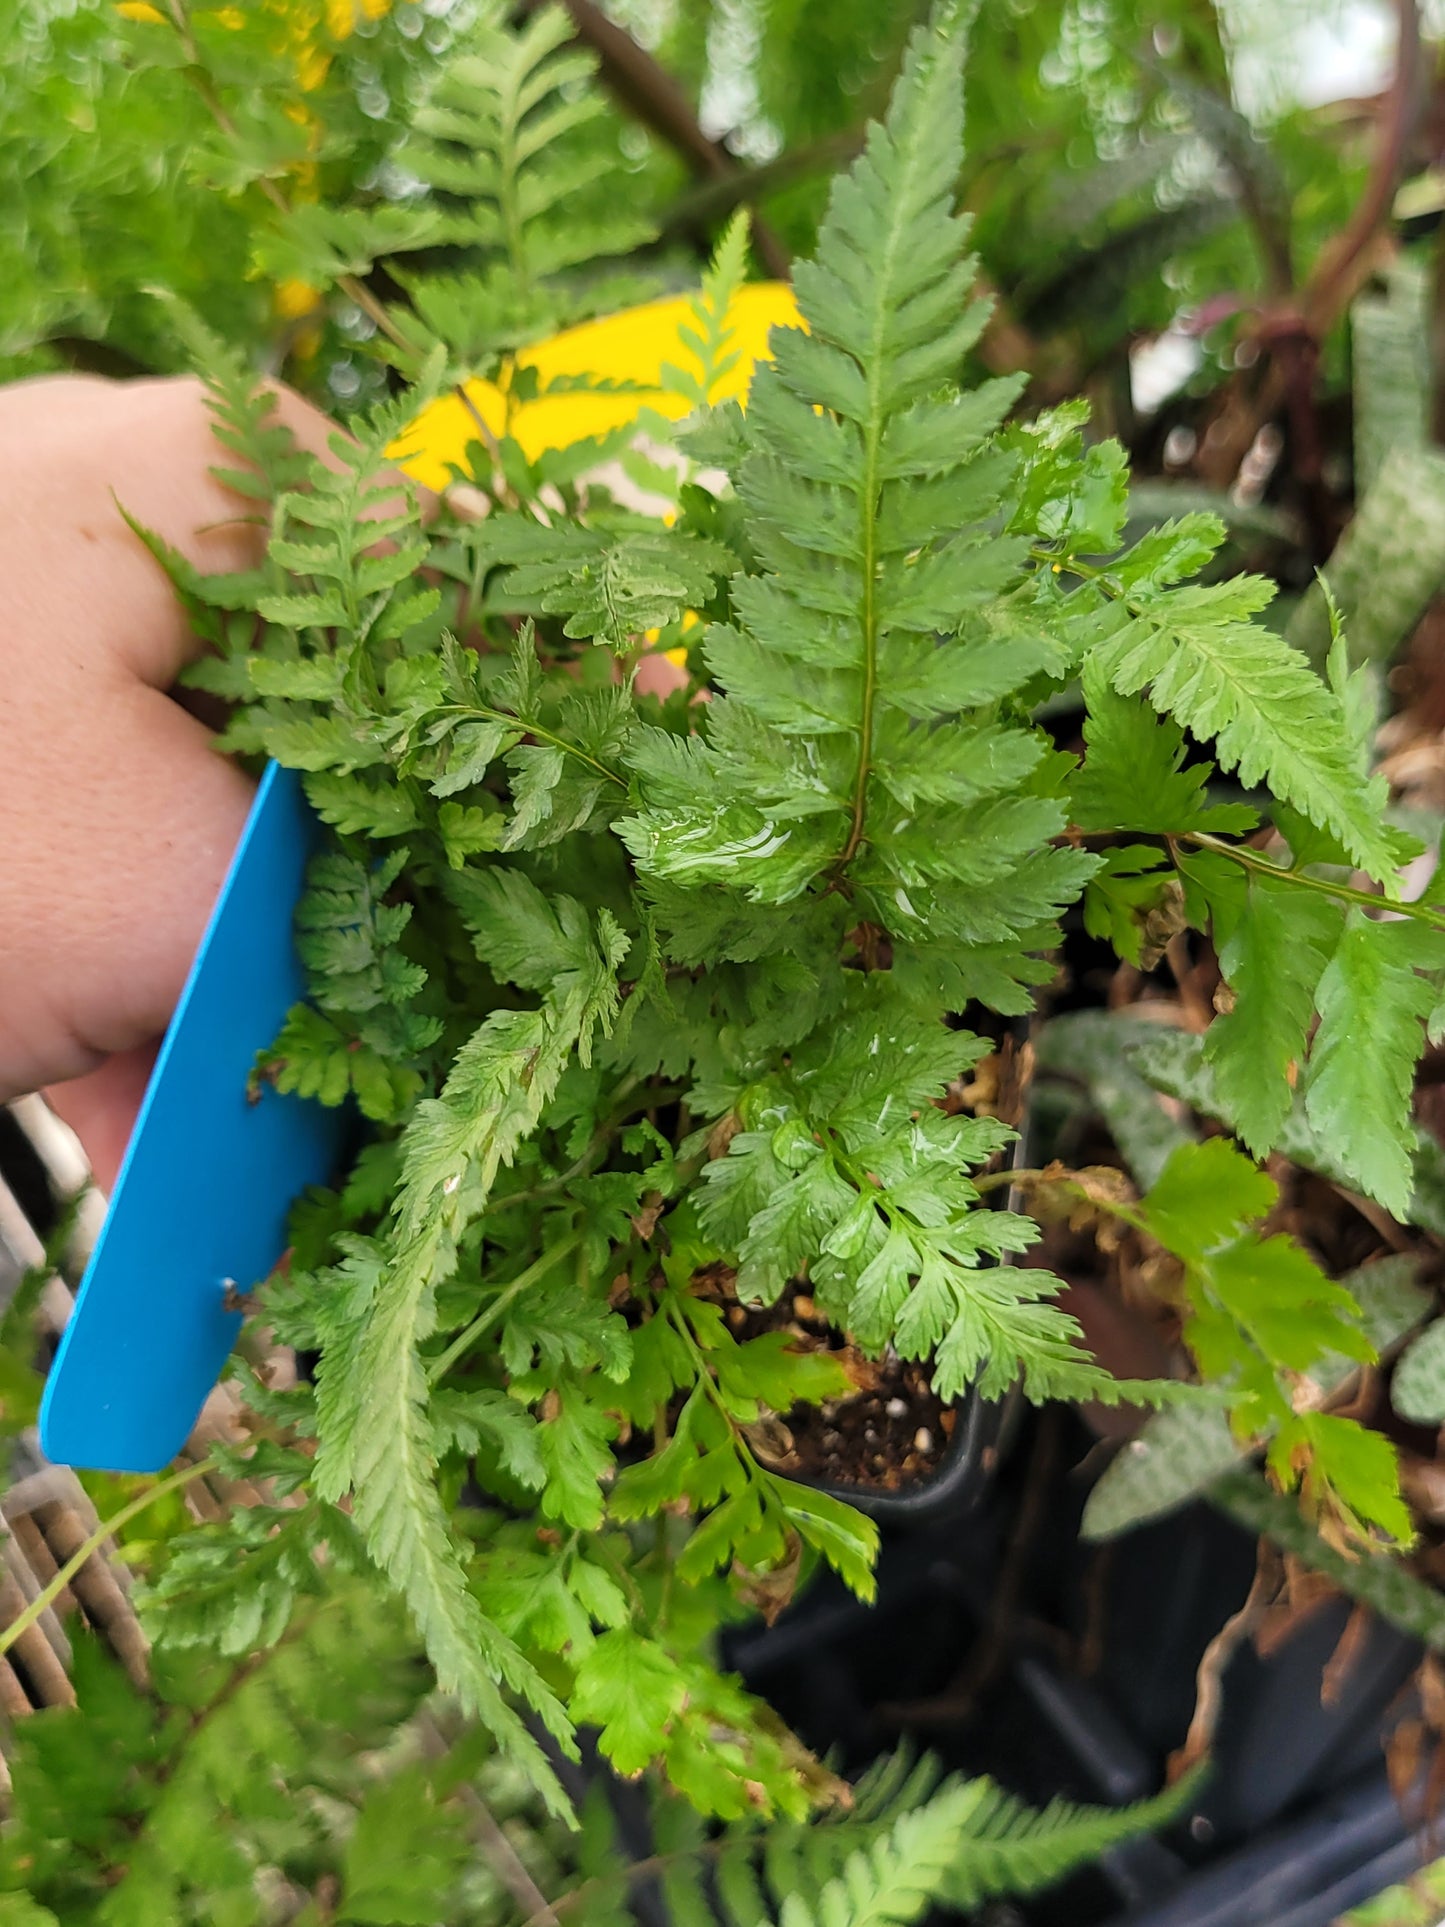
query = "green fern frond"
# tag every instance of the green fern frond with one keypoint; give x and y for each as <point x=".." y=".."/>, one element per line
<point x="1013" y="1849"/>
<point x="1233" y="682"/>
<point x="377" y="1441"/>
<point x="653" y="1002"/>
<point x="869" y="498"/>
<point x="862" y="747"/>
<point x="493" y="139"/>
<point x="113" y="1815"/>
<point x="616" y="576"/>
<point x="612" y="582"/>
<point x="901" y="1875"/>
<point x="242" y="410"/>
<point x="911" y="1842"/>
<point x="707" y="337"/>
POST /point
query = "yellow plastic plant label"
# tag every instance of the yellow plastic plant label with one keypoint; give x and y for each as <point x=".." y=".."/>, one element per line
<point x="630" y="347"/>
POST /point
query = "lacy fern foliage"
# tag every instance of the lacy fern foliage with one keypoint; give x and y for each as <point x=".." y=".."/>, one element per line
<point x="660" y="1007"/>
<point x="346" y="1791"/>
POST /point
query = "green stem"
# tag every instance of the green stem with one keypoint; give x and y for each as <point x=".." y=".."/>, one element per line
<point x="529" y="727"/>
<point x="870" y="662"/>
<point x="601" y="1138"/>
<point x="500" y="487"/>
<point x="484" y="1321"/>
<point x="538" y="1191"/>
<point x="656" y="1863"/>
<point x="711" y="1390"/>
<point x="1342" y="892"/>
<point x="1000" y="1180"/>
<point x="569" y="749"/>
<point x="605" y="1556"/>
<point x="1071" y="1187"/>
<point x="1070" y="565"/>
<point x="48" y="1594"/>
<point x="510" y="210"/>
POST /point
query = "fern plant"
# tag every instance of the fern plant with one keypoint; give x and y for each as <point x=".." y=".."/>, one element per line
<point x="350" y="1795"/>
<point x="492" y="139"/>
<point x="652" y="1004"/>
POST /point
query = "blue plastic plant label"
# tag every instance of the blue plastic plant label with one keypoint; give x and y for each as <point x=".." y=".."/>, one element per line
<point x="199" y="1209"/>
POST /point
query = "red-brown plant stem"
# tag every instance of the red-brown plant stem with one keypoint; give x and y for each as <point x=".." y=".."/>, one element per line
<point x="1290" y="332"/>
<point x="1336" y="273"/>
<point x="653" y="95"/>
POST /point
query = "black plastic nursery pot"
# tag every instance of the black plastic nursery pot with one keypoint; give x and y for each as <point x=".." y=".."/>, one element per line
<point x="1009" y="1647"/>
<point x="955" y="1487"/>
<point x="931" y="1460"/>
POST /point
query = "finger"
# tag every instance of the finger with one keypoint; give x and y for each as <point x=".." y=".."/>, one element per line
<point x="656" y="676"/>
<point x="89" y="449"/>
<point x="112" y="886"/>
<point x="101" y="1108"/>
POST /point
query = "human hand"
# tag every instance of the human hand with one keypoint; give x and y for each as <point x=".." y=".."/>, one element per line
<point x="118" y="818"/>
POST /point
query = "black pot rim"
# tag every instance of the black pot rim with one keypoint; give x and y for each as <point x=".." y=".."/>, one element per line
<point x="956" y="1485"/>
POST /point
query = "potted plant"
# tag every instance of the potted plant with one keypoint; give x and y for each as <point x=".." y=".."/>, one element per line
<point x="663" y="1009"/>
<point x="639" y="989"/>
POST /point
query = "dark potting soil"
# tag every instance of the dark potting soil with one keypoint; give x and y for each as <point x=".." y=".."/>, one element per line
<point x="888" y="1433"/>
